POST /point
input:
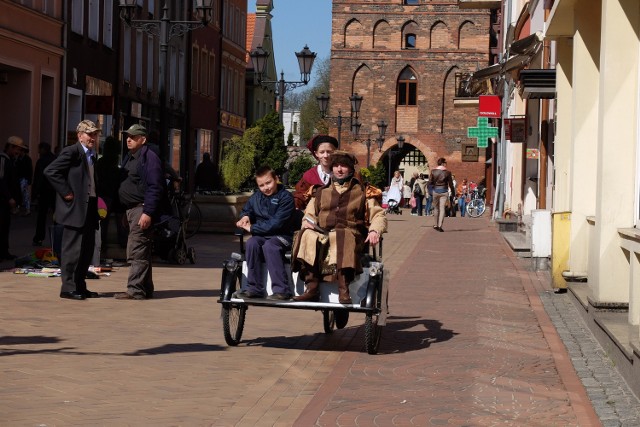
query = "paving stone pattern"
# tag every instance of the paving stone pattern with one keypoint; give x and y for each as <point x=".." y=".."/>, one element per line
<point x="612" y="399"/>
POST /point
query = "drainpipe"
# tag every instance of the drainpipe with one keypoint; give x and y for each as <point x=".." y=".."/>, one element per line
<point x="62" y="115"/>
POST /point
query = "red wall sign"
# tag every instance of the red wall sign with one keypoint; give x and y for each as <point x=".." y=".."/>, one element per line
<point x="489" y="106"/>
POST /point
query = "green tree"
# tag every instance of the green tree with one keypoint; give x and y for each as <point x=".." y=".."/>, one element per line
<point x="290" y="139"/>
<point x="375" y="175"/>
<point x="299" y="166"/>
<point x="237" y="163"/>
<point x="270" y="148"/>
<point x="310" y="118"/>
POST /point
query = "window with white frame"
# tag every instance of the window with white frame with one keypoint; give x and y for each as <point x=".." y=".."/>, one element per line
<point x="107" y="22"/>
<point x="126" y="60"/>
<point x="181" y="77"/>
<point x="150" y="62"/>
<point x="94" y="20"/>
<point x="204" y="72"/>
<point x="139" y="38"/>
<point x="77" y="16"/>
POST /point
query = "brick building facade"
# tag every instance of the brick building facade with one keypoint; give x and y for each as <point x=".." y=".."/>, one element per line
<point x="402" y="57"/>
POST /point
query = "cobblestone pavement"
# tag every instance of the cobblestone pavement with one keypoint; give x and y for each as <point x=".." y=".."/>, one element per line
<point x="468" y="343"/>
<point x="612" y="399"/>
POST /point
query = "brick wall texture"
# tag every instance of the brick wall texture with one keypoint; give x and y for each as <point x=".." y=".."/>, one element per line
<point x="369" y="51"/>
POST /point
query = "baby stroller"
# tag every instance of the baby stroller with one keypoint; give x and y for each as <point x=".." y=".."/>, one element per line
<point x="393" y="207"/>
<point x="170" y="242"/>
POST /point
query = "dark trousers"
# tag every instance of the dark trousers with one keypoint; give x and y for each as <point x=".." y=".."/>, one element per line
<point x="77" y="251"/>
<point x="269" y="250"/>
<point x="139" y="255"/>
<point x="5" y="223"/>
<point x="45" y="204"/>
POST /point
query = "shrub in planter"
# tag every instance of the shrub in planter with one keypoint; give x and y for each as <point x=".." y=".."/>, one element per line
<point x="299" y="166"/>
<point x="237" y="159"/>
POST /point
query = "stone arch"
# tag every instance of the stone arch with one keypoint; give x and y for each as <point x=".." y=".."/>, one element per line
<point x="382" y="35"/>
<point x="410" y="28"/>
<point x="362" y="83"/>
<point x="402" y="157"/>
<point x="353" y="34"/>
<point x="448" y="93"/>
<point x="440" y="36"/>
<point x="466" y="35"/>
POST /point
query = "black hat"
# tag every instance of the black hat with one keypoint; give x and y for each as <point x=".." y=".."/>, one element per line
<point x="314" y="142"/>
<point x="344" y="158"/>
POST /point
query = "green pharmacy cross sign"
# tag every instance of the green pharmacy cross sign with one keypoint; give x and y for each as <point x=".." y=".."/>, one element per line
<point x="482" y="132"/>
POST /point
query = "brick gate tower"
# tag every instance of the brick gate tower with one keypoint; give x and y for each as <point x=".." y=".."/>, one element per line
<point x="406" y="58"/>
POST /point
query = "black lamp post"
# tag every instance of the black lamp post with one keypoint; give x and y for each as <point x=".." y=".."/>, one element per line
<point x="400" y="140"/>
<point x="323" y="104"/>
<point x="166" y="30"/>
<point x="259" y="58"/>
<point x="382" y="129"/>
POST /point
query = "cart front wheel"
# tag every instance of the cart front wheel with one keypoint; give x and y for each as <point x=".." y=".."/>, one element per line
<point x="372" y="333"/>
<point x="342" y="317"/>
<point x="233" y="322"/>
<point x="329" y="320"/>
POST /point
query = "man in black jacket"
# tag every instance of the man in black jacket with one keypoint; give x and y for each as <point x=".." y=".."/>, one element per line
<point x="72" y="176"/>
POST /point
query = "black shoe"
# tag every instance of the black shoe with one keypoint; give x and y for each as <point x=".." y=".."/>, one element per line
<point x="72" y="295"/>
<point x="89" y="294"/>
<point x="247" y="294"/>
<point x="279" y="297"/>
<point x="440" y="229"/>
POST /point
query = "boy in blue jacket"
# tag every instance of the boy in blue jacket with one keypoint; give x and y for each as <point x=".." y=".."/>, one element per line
<point x="268" y="216"/>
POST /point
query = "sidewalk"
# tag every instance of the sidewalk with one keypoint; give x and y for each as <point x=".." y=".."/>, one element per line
<point x="468" y="342"/>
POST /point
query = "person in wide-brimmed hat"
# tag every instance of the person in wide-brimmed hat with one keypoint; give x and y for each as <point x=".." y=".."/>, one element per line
<point x="342" y="211"/>
<point x="10" y="194"/>
<point x="321" y="146"/>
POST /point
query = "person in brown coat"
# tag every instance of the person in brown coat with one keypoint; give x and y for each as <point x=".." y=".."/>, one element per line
<point x="340" y="214"/>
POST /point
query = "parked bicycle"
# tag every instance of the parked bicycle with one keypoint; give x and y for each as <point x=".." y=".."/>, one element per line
<point x="476" y="205"/>
<point x="188" y="211"/>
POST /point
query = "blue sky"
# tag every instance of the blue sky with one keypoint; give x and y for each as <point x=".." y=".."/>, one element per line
<point x="296" y="23"/>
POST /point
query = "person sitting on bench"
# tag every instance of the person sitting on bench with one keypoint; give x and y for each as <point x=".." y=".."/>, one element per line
<point x="267" y="215"/>
<point x="341" y="215"/>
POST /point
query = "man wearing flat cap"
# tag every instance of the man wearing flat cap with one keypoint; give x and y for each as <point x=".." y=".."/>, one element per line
<point x="143" y="194"/>
<point x="348" y="218"/>
<point x="10" y="194"/>
<point x="72" y="176"/>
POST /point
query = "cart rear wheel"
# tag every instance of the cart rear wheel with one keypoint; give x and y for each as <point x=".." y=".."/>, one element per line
<point x="329" y="320"/>
<point x="342" y="317"/>
<point x="233" y="322"/>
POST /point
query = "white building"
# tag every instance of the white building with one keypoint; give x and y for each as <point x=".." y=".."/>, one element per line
<point x="291" y="122"/>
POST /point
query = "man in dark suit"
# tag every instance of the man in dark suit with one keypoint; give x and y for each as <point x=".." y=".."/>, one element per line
<point x="72" y="176"/>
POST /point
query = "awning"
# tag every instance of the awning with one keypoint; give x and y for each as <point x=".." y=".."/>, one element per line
<point x="522" y="51"/>
<point x="538" y="84"/>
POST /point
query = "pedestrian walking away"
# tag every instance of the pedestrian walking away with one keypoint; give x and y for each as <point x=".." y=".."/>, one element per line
<point x="442" y="185"/>
<point x="10" y="194"/>
<point x="42" y="192"/>
<point x="143" y="192"/>
<point x="72" y="176"/>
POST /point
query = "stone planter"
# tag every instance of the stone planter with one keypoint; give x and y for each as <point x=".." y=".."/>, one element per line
<point x="220" y="213"/>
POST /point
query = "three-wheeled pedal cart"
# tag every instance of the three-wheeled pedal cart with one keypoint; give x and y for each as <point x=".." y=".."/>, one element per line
<point x="368" y="294"/>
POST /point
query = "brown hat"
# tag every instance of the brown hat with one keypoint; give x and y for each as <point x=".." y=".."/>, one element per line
<point x="17" y="141"/>
<point x="314" y="142"/>
<point x="87" y="126"/>
<point x="344" y="158"/>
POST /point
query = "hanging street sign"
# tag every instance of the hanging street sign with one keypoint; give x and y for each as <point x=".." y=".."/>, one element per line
<point x="482" y="132"/>
<point x="489" y="106"/>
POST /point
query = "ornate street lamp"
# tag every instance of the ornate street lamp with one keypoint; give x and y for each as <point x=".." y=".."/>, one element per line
<point x="305" y="57"/>
<point x="382" y="129"/>
<point x="166" y="30"/>
<point x="392" y="153"/>
<point x="323" y="104"/>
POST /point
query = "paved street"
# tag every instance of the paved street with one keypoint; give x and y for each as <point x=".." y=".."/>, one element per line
<point x="468" y="343"/>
